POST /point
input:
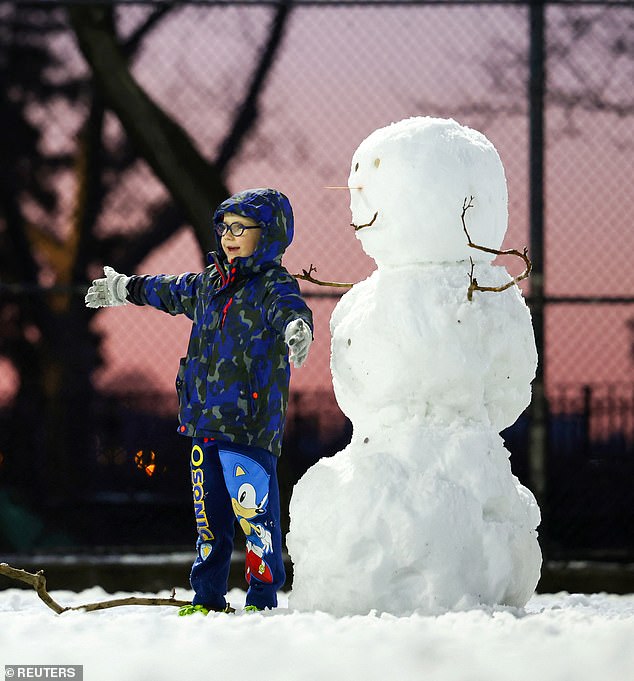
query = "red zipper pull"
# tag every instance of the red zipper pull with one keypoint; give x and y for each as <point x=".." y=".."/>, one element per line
<point x="224" y="311"/>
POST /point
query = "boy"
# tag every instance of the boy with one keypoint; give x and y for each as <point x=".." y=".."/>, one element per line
<point x="247" y="315"/>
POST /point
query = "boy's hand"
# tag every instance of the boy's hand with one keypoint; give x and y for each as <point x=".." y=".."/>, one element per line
<point x="108" y="292"/>
<point x="298" y="337"/>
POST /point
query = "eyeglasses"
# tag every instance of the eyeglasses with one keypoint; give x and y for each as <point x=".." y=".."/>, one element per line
<point x="236" y="228"/>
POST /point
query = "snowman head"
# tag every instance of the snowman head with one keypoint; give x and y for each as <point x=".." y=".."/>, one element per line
<point x="407" y="185"/>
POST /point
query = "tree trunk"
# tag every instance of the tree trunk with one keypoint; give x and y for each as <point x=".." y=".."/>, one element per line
<point x="194" y="183"/>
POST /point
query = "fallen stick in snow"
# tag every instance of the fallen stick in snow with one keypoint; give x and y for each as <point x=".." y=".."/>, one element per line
<point x="38" y="582"/>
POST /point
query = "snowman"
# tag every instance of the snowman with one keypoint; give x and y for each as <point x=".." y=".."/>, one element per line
<point x="421" y="512"/>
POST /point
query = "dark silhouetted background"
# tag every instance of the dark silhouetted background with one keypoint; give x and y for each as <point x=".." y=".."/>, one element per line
<point x="123" y="125"/>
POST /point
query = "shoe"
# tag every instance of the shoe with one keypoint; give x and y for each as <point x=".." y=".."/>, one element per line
<point x="191" y="609"/>
<point x="252" y="608"/>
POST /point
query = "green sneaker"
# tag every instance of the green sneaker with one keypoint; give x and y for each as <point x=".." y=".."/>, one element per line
<point x="191" y="609"/>
<point x="252" y="608"/>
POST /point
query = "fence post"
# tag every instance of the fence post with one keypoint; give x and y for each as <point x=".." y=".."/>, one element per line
<point x="539" y="410"/>
<point x="587" y="414"/>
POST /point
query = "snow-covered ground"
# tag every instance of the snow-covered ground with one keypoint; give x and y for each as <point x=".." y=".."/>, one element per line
<point x="561" y="637"/>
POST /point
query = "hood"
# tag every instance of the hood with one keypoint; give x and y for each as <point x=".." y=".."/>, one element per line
<point x="272" y="210"/>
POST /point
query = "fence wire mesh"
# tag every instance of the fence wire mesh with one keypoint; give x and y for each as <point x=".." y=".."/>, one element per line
<point x="86" y="401"/>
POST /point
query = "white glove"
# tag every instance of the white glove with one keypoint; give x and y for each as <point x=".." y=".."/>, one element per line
<point x="298" y="337"/>
<point x="108" y="292"/>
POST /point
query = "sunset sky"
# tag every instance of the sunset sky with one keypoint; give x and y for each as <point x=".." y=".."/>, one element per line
<point x="343" y="72"/>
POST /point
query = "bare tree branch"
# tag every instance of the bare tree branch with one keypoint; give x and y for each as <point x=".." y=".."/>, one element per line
<point x="473" y="282"/>
<point x="132" y="43"/>
<point x="248" y="111"/>
<point x="194" y="183"/>
<point x="126" y="252"/>
<point x="306" y="276"/>
<point x="367" y="224"/>
<point x="577" y="82"/>
<point x="38" y="582"/>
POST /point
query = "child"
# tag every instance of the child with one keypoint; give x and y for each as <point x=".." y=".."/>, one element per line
<point x="247" y="315"/>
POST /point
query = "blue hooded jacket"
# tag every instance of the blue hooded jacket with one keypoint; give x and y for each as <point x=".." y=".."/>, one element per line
<point x="233" y="383"/>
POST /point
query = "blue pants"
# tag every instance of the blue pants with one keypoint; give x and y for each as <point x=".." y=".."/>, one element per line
<point x="232" y="482"/>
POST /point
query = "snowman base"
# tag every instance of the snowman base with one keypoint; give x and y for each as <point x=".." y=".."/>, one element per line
<point x="424" y="520"/>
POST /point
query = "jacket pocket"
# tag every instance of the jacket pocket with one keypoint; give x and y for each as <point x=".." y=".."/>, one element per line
<point x="181" y="389"/>
<point x="256" y="386"/>
<point x="246" y="401"/>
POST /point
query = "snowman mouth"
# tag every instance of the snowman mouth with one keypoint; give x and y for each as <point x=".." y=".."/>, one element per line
<point x="368" y="224"/>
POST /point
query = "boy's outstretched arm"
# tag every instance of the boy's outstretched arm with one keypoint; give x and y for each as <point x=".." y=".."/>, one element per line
<point x="171" y="293"/>
<point x="175" y="294"/>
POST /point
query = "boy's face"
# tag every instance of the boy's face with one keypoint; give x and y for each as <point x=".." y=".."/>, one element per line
<point x="240" y="246"/>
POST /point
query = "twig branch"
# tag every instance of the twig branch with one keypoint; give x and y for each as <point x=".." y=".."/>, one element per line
<point x="194" y="183"/>
<point x="132" y="44"/>
<point x="130" y="600"/>
<point x="473" y="282"/>
<point x="247" y="114"/>
<point x="38" y="582"/>
<point x="306" y="276"/>
<point x="367" y="224"/>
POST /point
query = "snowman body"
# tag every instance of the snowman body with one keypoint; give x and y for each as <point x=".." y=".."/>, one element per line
<point x="421" y="511"/>
<point x="443" y="361"/>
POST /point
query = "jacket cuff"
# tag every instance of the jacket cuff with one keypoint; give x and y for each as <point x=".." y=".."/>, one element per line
<point x="136" y="294"/>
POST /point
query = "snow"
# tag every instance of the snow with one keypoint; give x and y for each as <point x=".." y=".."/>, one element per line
<point x="407" y="344"/>
<point x="415" y="175"/>
<point x="557" y="637"/>
<point x="420" y="512"/>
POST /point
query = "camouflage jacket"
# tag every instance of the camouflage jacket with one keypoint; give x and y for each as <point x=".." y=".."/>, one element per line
<point x="233" y="384"/>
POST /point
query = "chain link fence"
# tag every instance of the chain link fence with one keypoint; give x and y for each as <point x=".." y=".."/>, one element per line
<point x="87" y="405"/>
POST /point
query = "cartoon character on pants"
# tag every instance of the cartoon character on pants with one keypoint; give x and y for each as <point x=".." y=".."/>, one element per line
<point x="235" y="482"/>
<point x="248" y="486"/>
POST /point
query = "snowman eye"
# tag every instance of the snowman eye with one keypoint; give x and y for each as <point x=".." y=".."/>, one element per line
<point x="356" y="167"/>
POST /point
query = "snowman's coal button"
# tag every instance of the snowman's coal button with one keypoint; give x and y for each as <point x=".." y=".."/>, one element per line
<point x="349" y="341"/>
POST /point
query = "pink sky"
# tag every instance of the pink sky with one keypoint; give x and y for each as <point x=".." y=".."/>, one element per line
<point x="343" y="73"/>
